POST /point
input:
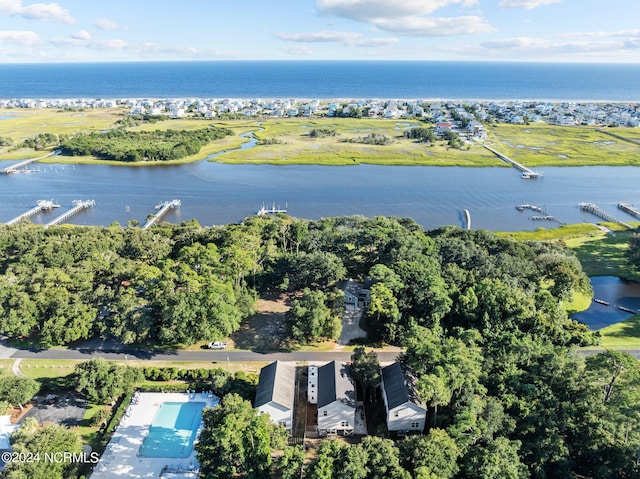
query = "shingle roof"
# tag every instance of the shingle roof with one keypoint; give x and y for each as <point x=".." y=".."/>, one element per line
<point x="334" y="384"/>
<point x="277" y="384"/>
<point x="399" y="386"/>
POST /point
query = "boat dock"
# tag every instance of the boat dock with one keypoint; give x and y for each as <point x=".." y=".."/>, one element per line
<point x="41" y="205"/>
<point x="10" y="170"/>
<point x="629" y="209"/>
<point x="163" y="208"/>
<point x="78" y="206"/>
<point x="271" y="211"/>
<point x="595" y="210"/>
<point x="545" y="218"/>
<point x="467" y="217"/>
<point x="536" y="208"/>
<point x="527" y="173"/>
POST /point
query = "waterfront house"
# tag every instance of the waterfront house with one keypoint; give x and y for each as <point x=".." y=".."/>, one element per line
<point x="405" y="412"/>
<point x="336" y="400"/>
<point x="276" y="392"/>
<point x="443" y="126"/>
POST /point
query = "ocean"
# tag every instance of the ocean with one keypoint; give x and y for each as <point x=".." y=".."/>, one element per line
<point x="324" y="79"/>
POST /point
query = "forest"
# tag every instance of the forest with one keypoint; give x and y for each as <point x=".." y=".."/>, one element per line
<point x="480" y="317"/>
<point x="120" y="144"/>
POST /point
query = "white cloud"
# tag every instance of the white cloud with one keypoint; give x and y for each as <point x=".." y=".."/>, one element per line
<point x="432" y="27"/>
<point x="370" y="10"/>
<point x="36" y="11"/>
<point x="299" y="50"/>
<point x="19" y="37"/>
<point x="621" y="33"/>
<point x="107" y="25"/>
<point x="527" y="45"/>
<point x="345" y="38"/>
<point x="83" y="39"/>
<point x="81" y="35"/>
<point x="409" y="17"/>
<point x="526" y="4"/>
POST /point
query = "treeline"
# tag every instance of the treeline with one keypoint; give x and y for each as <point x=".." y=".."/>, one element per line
<point x="187" y="283"/>
<point x="129" y="146"/>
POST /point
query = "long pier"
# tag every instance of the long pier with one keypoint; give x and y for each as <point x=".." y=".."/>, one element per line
<point x="10" y="170"/>
<point x="595" y="210"/>
<point x="41" y="205"/>
<point x="629" y="209"/>
<point x="79" y="205"/>
<point x="163" y="208"/>
<point x="527" y="173"/>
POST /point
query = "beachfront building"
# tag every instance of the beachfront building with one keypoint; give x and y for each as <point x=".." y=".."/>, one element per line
<point x="276" y="391"/>
<point x="336" y="400"/>
<point x="405" y="412"/>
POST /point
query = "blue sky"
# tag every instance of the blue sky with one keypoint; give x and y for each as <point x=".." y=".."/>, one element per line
<point x="480" y="30"/>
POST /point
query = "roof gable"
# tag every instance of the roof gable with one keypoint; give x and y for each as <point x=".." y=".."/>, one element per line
<point x="399" y="386"/>
<point x="334" y="384"/>
<point x="276" y="384"/>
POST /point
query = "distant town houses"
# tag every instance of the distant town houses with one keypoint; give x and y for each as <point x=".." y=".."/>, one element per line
<point x="464" y="116"/>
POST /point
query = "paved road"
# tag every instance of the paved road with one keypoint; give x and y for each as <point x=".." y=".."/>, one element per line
<point x="121" y="353"/>
<point x="213" y="356"/>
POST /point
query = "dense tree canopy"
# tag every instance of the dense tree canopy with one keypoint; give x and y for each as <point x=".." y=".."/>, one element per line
<point x="103" y="381"/>
<point x="480" y="317"/>
<point x="36" y="442"/>
<point x="160" y="145"/>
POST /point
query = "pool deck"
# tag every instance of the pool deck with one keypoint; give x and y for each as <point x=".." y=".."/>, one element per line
<point x="120" y="458"/>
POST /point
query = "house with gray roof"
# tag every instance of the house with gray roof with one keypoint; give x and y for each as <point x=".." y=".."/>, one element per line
<point x="276" y="391"/>
<point x="336" y="399"/>
<point x="405" y="411"/>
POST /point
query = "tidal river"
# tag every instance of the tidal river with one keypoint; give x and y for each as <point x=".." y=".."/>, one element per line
<point x="215" y="193"/>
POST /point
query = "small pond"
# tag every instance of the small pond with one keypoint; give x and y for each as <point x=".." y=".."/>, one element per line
<point x="617" y="293"/>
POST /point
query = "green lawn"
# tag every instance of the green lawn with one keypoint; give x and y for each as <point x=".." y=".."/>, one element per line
<point x="622" y="335"/>
<point x="47" y="368"/>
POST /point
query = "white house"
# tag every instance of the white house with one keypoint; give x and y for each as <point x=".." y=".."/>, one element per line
<point x="275" y="393"/>
<point x="336" y="400"/>
<point x="405" y="412"/>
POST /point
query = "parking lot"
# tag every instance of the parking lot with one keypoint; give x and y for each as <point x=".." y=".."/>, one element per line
<point x="67" y="409"/>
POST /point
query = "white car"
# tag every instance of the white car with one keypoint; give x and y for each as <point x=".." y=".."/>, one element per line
<point x="217" y="345"/>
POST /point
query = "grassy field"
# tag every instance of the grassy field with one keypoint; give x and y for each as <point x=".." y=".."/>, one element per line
<point x="541" y="144"/>
<point x="622" y="335"/>
<point x="25" y="123"/>
<point x="292" y="144"/>
<point x="47" y="368"/>
<point x="533" y="145"/>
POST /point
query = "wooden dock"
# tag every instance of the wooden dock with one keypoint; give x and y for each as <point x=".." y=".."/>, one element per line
<point x="595" y="210"/>
<point x="163" y="208"/>
<point x="527" y="173"/>
<point x="629" y="209"/>
<point x="41" y="205"/>
<point x="10" y="170"/>
<point x="271" y="211"/>
<point x="78" y="206"/>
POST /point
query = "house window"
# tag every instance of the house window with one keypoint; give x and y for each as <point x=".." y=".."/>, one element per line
<point x="415" y="425"/>
<point x="344" y="423"/>
<point x="324" y="413"/>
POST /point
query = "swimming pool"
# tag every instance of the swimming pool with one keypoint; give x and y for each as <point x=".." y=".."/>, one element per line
<point x="173" y="430"/>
